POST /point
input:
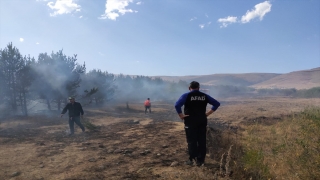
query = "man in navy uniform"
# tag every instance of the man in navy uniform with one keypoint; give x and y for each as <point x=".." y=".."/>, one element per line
<point x="195" y="120"/>
<point x="75" y="110"/>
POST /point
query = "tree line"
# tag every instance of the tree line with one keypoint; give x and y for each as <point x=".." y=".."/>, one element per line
<point x="51" y="78"/>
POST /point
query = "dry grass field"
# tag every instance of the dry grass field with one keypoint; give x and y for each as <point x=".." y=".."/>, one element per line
<point x="123" y="143"/>
<point x="305" y="79"/>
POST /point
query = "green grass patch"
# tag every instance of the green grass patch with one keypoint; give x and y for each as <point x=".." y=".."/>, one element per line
<point x="90" y="125"/>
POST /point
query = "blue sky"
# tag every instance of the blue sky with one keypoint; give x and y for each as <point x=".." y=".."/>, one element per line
<point x="169" y="37"/>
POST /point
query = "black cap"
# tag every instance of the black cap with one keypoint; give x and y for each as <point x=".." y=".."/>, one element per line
<point x="194" y="85"/>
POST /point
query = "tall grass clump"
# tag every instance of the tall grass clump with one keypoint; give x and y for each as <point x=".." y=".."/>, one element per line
<point x="288" y="149"/>
<point x="89" y="125"/>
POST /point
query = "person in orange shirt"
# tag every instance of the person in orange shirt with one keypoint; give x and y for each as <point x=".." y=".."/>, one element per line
<point x="147" y="105"/>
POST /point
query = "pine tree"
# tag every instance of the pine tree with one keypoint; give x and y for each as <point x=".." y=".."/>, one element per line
<point x="102" y="82"/>
<point x="24" y="80"/>
<point x="57" y="77"/>
<point x="11" y="63"/>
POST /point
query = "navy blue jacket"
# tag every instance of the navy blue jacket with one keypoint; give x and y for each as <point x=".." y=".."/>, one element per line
<point x="195" y="105"/>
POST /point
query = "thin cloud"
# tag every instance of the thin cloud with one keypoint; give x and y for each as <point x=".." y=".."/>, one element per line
<point x="138" y="3"/>
<point x="202" y="26"/>
<point x="37" y="43"/>
<point x="116" y="7"/>
<point x="63" y="7"/>
<point x="194" y="18"/>
<point x="228" y="20"/>
<point x="80" y="17"/>
<point x="259" y="11"/>
<point x="21" y="39"/>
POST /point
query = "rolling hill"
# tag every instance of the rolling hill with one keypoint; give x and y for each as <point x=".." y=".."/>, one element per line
<point x="246" y="79"/>
<point x="303" y="79"/>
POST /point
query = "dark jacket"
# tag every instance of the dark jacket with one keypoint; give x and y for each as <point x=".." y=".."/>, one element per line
<point x="195" y="105"/>
<point x="74" y="109"/>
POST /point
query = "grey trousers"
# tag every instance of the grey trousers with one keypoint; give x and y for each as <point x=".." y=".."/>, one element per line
<point x="76" y="120"/>
<point x="147" y="107"/>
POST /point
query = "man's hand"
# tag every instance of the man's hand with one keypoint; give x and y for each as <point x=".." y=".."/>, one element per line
<point x="61" y="115"/>
<point x="182" y="116"/>
<point x="209" y="112"/>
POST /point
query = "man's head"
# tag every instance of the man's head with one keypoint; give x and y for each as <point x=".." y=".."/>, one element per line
<point x="148" y="98"/>
<point x="71" y="99"/>
<point x="194" y="85"/>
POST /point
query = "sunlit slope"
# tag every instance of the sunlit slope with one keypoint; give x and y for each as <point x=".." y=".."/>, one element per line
<point x="304" y="79"/>
<point x="245" y="79"/>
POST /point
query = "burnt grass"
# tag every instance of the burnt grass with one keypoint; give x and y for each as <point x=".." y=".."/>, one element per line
<point x="122" y="150"/>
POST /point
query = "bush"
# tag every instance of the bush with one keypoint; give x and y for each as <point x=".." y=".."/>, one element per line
<point x="309" y="93"/>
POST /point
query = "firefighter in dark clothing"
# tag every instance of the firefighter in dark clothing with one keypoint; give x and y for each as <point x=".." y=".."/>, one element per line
<point x="195" y="121"/>
<point x="75" y="110"/>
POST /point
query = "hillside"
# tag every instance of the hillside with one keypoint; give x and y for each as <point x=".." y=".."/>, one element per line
<point x="304" y="79"/>
<point x="246" y="79"/>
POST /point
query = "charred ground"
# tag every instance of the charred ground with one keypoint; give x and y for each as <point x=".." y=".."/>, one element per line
<point x="126" y="143"/>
